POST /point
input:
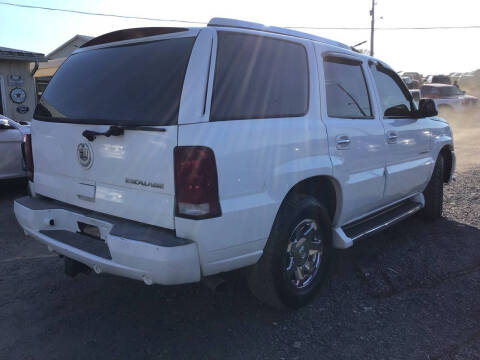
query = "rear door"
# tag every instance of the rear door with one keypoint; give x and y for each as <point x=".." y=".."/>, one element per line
<point x="355" y="134"/>
<point x="409" y="162"/>
<point x="134" y="86"/>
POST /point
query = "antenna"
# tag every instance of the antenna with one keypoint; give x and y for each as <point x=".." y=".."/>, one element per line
<point x="372" y="29"/>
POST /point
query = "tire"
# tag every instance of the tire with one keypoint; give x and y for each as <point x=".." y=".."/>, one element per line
<point x="434" y="193"/>
<point x="274" y="278"/>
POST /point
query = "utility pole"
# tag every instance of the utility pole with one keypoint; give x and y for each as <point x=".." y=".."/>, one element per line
<point x="372" y="29"/>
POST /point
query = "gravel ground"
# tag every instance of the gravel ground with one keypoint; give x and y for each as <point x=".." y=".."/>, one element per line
<point x="410" y="292"/>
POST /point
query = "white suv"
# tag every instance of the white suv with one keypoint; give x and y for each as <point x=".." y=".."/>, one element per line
<point x="448" y="97"/>
<point x="172" y="154"/>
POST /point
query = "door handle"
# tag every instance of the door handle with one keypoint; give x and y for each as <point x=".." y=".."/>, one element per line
<point x="392" y="137"/>
<point x="343" y="142"/>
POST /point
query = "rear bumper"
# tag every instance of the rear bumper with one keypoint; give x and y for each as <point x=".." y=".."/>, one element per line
<point x="126" y="248"/>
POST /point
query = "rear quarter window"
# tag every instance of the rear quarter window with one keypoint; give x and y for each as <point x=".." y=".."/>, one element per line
<point x="259" y="77"/>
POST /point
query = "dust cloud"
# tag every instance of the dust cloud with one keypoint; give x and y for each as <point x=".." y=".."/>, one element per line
<point x="466" y="135"/>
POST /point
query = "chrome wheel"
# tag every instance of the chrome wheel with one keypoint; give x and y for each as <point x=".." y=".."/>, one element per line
<point x="304" y="254"/>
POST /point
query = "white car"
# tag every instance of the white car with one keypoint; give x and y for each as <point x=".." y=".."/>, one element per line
<point x="448" y="97"/>
<point x="12" y="136"/>
<point x="234" y="145"/>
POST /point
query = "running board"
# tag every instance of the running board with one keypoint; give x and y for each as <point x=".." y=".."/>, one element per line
<point x="347" y="234"/>
<point x="381" y="220"/>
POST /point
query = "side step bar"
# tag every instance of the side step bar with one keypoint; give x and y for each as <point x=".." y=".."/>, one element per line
<point x="381" y="220"/>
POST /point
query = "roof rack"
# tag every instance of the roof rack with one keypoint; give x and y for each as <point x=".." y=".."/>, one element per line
<point x="224" y="22"/>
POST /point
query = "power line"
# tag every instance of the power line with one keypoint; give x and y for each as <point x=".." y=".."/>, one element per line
<point x="387" y="28"/>
<point x="100" y="14"/>
<point x="203" y="23"/>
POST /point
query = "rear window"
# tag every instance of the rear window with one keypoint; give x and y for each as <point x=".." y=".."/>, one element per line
<point x="259" y="77"/>
<point x="138" y="84"/>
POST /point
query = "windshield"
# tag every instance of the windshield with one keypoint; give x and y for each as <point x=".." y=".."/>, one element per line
<point x="449" y="91"/>
<point x="138" y="84"/>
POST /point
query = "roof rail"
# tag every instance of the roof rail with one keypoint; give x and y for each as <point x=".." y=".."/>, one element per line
<point x="224" y="22"/>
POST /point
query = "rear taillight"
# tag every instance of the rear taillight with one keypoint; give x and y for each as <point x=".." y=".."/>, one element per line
<point x="28" y="155"/>
<point x="196" y="183"/>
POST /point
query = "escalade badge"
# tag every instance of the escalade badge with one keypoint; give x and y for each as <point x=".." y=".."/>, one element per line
<point x="144" y="183"/>
<point x="85" y="155"/>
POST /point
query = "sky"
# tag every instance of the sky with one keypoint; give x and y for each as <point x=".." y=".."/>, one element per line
<point x="425" y="51"/>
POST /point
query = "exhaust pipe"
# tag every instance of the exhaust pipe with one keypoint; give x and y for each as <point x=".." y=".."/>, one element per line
<point x="215" y="283"/>
<point x="73" y="267"/>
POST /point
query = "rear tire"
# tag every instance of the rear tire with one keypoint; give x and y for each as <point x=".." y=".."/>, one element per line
<point x="434" y="192"/>
<point x="295" y="259"/>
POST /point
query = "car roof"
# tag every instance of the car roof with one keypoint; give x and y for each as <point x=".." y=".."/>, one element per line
<point x="150" y="33"/>
<point x="233" y="23"/>
<point x="136" y="33"/>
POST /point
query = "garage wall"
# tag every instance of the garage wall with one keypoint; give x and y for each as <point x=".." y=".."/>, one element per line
<point x="17" y="68"/>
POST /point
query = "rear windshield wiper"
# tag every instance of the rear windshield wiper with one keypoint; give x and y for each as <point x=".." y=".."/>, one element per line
<point x="118" y="130"/>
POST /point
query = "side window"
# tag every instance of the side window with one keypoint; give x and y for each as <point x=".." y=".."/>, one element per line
<point x="393" y="99"/>
<point x="259" y="77"/>
<point x="346" y="89"/>
<point x="426" y="90"/>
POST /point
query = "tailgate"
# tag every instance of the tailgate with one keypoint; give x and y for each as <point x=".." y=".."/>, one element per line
<point x="130" y="176"/>
<point x="135" y="86"/>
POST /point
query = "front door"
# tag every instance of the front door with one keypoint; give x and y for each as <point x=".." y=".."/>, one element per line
<point x="409" y="162"/>
<point x="355" y="135"/>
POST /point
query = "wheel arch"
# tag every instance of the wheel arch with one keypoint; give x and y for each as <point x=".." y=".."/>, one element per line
<point x="324" y="188"/>
<point x="446" y="152"/>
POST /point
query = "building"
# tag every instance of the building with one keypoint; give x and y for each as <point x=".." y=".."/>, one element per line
<point x="55" y="59"/>
<point x="64" y="50"/>
<point x="17" y="89"/>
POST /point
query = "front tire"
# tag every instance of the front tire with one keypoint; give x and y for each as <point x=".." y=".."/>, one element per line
<point x="434" y="193"/>
<point x="295" y="259"/>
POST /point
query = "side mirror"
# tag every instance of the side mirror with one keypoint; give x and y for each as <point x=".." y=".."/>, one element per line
<point x="427" y="108"/>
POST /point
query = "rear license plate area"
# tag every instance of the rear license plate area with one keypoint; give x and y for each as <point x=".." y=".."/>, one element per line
<point x="89" y="230"/>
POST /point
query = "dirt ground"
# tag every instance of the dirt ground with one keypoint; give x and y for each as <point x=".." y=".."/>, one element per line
<point x="411" y="292"/>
